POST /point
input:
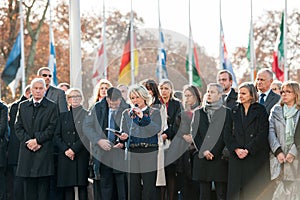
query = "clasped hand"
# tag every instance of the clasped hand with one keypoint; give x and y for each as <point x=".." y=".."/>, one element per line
<point x="241" y="153"/>
<point x="208" y="155"/>
<point x="33" y="145"/>
<point x="70" y="153"/>
<point x="288" y="158"/>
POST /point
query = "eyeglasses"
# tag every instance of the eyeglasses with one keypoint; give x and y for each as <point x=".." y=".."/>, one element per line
<point x="286" y="92"/>
<point x="75" y="97"/>
<point x="188" y="95"/>
<point x="45" y="75"/>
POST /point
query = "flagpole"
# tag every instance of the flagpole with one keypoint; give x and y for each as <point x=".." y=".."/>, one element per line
<point x="286" y="70"/>
<point x="251" y="45"/>
<point x="160" y="45"/>
<point x="75" y="45"/>
<point x="190" y="48"/>
<point x="104" y="42"/>
<point x="220" y="37"/>
<point x="131" y="46"/>
<point x="22" y="61"/>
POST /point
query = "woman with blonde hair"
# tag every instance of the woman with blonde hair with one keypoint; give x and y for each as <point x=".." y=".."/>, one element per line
<point x="100" y="91"/>
<point x="73" y="157"/>
<point x="283" y="159"/>
<point x="140" y="126"/>
<point x="174" y="107"/>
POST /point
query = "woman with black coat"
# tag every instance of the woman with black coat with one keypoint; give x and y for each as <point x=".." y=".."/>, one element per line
<point x="73" y="156"/>
<point x="249" y="171"/>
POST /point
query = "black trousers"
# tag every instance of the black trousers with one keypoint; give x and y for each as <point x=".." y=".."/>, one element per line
<point x="37" y="188"/>
<point x="206" y="190"/>
<point x="2" y="184"/>
<point x="113" y="184"/>
<point x="15" y="187"/>
<point x="142" y="179"/>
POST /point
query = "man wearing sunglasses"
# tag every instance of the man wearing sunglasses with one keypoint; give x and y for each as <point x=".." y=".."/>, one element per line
<point x="53" y="93"/>
<point x="58" y="96"/>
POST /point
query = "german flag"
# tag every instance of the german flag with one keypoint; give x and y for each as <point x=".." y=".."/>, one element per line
<point x="125" y="68"/>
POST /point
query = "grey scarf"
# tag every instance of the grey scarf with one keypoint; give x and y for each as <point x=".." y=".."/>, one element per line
<point x="210" y="108"/>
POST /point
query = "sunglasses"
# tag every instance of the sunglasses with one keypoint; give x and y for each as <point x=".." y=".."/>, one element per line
<point x="45" y="75"/>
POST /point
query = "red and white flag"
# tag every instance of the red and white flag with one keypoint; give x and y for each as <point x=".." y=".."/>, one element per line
<point x="99" y="65"/>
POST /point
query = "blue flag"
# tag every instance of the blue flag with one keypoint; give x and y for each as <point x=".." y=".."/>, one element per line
<point x="161" y="58"/>
<point x="224" y="58"/>
<point x="13" y="62"/>
<point x="52" y="58"/>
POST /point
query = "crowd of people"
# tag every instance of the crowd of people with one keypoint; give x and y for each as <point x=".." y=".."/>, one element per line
<point x="141" y="142"/>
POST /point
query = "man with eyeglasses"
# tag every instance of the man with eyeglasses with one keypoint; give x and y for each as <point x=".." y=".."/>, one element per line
<point x="224" y="78"/>
<point x="267" y="97"/>
<point x="53" y="93"/>
<point x="58" y="96"/>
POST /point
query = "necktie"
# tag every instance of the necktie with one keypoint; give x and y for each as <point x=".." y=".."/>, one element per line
<point x="36" y="104"/>
<point x="111" y="124"/>
<point x="262" y="98"/>
<point x="224" y="96"/>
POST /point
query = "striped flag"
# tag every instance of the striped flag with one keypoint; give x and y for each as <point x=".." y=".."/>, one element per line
<point x="192" y="57"/>
<point x="12" y="73"/>
<point x="278" y="54"/>
<point x="125" y="67"/>
<point x="52" y="58"/>
<point x="161" y="69"/>
<point x="99" y="65"/>
<point x="224" y="57"/>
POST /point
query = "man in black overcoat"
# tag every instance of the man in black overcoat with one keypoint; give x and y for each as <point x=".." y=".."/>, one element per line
<point x="14" y="183"/>
<point x="58" y="96"/>
<point x="3" y="144"/>
<point x="35" y="126"/>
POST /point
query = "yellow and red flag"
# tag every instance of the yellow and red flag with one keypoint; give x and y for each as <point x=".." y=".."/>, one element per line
<point x="125" y="67"/>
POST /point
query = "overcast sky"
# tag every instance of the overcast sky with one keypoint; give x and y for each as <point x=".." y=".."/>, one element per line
<point x="204" y="17"/>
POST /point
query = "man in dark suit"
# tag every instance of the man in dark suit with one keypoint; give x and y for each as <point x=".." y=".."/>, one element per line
<point x="106" y="145"/>
<point x="53" y="93"/>
<point x="35" y="126"/>
<point x="14" y="183"/>
<point x="58" y="96"/>
<point x="267" y="97"/>
<point x="3" y="143"/>
<point x="224" y="78"/>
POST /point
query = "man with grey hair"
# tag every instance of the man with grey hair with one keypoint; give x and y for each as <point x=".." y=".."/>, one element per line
<point x="35" y="126"/>
<point x="267" y="97"/>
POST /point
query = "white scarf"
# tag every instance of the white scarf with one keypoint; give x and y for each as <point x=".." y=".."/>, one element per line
<point x="288" y="114"/>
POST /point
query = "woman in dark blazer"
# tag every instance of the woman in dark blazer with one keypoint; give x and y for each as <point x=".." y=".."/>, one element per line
<point x="173" y="107"/>
<point x="248" y="173"/>
<point x="73" y="157"/>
